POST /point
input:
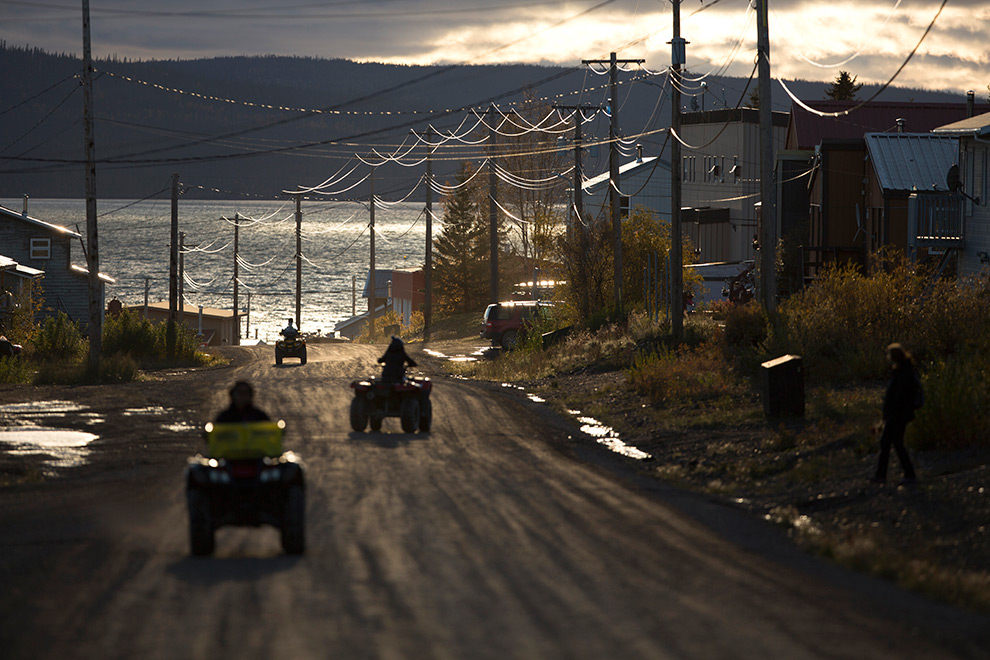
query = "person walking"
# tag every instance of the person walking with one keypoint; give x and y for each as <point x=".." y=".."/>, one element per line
<point x="899" y="403"/>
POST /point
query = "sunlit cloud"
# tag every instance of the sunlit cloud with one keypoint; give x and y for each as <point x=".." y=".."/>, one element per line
<point x="809" y="39"/>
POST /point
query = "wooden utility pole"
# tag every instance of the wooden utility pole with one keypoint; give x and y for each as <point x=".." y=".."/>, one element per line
<point x="613" y="171"/>
<point x="577" y="223"/>
<point x="492" y="212"/>
<point x="147" y="286"/>
<point x="92" y="242"/>
<point x="428" y="262"/>
<point x="768" y="192"/>
<point x="299" y="260"/>
<point x="182" y="277"/>
<point x="678" y="56"/>
<point x="237" y="272"/>
<point x="371" y="271"/>
<point x="173" y="271"/>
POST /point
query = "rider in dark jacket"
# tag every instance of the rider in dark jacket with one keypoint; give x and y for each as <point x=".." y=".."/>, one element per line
<point x="242" y="406"/>
<point x="394" y="362"/>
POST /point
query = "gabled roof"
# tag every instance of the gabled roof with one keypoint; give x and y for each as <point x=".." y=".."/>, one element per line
<point x="966" y="126"/>
<point x="911" y="161"/>
<point x="807" y="130"/>
<point x="47" y="226"/>
<point x="382" y="277"/>
<point x="629" y="168"/>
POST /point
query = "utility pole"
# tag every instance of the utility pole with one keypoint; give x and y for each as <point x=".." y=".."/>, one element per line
<point x="678" y="56"/>
<point x="577" y="224"/>
<point x="147" y="286"/>
<point x="371" y="272"/>
<point x="428" y="263"/>
<point x="613" y="171"/>
<point x="92" y="248"/>
<point x="768" y="192"/>
<point x="299" y="260"/>
<point x="173" y="271"/>
<point x="492" y="212"/>
<point x="182" y="276"/>
<point x="237" y="275"/>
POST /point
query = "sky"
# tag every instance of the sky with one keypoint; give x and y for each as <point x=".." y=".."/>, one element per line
<point x="811" y="40"/>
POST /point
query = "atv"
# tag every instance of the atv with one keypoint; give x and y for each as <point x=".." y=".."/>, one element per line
<point x="246" y="479"/>
<point x="290" y="347"/>
<point x="408" y="399"/>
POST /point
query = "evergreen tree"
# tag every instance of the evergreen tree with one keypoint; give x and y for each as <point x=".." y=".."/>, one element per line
<point x="844" y="88"/>
<point x="460" y="250"/>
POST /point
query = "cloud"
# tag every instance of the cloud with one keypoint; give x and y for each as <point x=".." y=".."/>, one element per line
<point x="876" y="34"/>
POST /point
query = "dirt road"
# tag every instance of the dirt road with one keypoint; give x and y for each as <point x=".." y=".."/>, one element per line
<point x="494" y="536"/>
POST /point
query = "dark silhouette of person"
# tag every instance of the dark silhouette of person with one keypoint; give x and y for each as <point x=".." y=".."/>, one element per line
<point x="289" y="331"/>
<point x="898" y="410"/>
<point x="394" y="362"/>
<point x="242" y="408"/>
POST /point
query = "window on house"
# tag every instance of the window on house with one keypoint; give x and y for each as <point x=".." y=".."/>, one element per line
<point x="623" y="206"/>
<point x="41" y="248"/>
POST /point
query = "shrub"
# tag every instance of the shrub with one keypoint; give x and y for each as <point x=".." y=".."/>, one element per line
<point x="130" y="334"/>
<point x="14" y="370"/>
<point x="697" y="374"/>
<point x="59" y="339"/>
<point x="956" y="413"/>
<point x="843" y="322"/>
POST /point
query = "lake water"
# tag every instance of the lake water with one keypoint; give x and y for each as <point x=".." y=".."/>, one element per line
<point x="134" y="245"/>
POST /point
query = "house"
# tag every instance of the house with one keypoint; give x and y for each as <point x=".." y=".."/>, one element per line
<point x="42" y="246"/>
<point x="385" y="280"/>
<point x="14" y="280"/>
<point x="837" y="190"/>
<point x="899" y="166"/>
<point x="216" y="326"/>
<point x="408" y="292"/>
<point x="972" y="185"/>
<point x="720" y="175"/>
<point x="644" y="182"/>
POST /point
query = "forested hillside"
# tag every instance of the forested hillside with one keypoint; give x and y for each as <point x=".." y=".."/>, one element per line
<point x="145" y="130"/>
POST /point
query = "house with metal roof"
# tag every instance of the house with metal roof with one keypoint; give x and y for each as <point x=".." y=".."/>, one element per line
<point x="837" y="190"/>
<point x="46" y="247"/>
<point x="902" y="166"/>
<point x="971" y="183"/>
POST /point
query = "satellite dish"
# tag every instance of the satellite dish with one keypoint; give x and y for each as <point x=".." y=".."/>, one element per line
<point x="952" y="178"/>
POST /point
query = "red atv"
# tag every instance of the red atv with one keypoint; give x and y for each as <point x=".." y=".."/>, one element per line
<point x="409" y="400"/>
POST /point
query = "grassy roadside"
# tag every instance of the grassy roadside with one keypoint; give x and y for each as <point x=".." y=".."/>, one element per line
<point x="696" y="410"/>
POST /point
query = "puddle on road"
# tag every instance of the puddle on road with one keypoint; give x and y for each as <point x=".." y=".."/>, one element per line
<point x="473" y="357"/>
<point x="64" y="448"/>
<point x="180" y="427"/>
<point x="149" y="410"/>
<point x="41" y="408"/>
<point x="608" y="437"/>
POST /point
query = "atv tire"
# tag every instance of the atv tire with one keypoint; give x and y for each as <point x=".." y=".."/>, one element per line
<point x="409" y="414"/>
<point x="359" y="414"/>
<point x="294" y="521"/>
<point x="376" y="422"/>
<point x="278" y="356"/>
<point x="425" y="415"/>
<point x="302" y="356"/>
<point x="201" y="540"/>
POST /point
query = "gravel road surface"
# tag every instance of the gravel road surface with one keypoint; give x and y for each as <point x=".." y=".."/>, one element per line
<point x="499" y="534"/>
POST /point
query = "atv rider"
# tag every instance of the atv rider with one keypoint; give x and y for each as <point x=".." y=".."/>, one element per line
<point x="289" y="331"/>
<point x="242" y="407"/>
<point x="394" y="362"/>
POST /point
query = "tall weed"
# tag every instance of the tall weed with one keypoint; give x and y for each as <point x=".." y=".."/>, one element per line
<point x="956" y="413"/>
<point x="59" y="339"/>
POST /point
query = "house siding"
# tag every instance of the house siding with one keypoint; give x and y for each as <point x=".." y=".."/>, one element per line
<point x="976" y="156"/>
